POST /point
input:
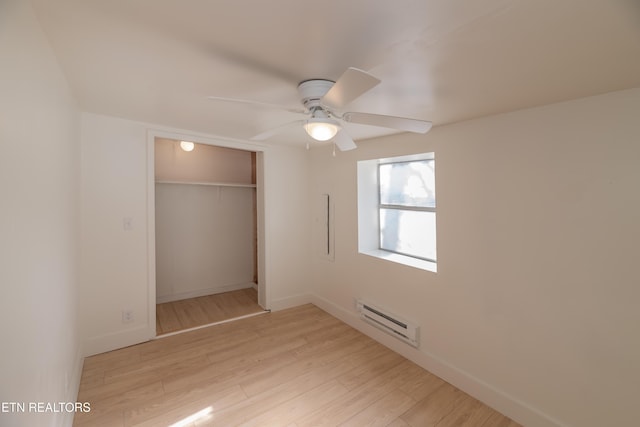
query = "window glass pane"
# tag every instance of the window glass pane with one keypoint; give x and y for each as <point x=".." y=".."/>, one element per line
<point x="408" y="184"/>
<point x="408" y="232"/>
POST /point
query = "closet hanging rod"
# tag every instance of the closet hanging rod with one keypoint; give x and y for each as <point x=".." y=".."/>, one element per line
<point x="216" y="184"/>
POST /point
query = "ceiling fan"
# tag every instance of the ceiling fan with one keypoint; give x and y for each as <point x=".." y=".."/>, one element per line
<point x="323" y="101"/>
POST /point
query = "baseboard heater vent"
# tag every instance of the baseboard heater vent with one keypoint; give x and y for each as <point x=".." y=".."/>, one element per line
<point x="389" y="323"/>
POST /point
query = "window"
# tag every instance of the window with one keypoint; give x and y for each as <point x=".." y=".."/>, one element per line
<point x="397" y="209"/>
<point x="407" y="208"/>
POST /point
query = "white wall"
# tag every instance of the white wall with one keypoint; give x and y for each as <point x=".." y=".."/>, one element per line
<point x="204" y="240"/>
<point x="286" y="226"/>
<point x="534" y="308"/>
<point x="114" y="268"/>
<point x="115" y="262"/>
<point x="206" y="163"/>
<point x="39" y="174"/>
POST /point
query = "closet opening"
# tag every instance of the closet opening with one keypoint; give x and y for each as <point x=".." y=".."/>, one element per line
<point x="206" y="235"/>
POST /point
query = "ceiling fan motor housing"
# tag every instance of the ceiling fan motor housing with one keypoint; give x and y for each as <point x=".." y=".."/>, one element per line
<point x="311" y="91"/>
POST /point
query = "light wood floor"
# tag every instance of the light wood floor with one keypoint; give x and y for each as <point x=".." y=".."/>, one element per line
<point x="296" y="367"/>
<point x="189" y="313"/>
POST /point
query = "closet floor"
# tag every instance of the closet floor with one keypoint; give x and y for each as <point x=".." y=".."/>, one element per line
<point x="193" y="312"/>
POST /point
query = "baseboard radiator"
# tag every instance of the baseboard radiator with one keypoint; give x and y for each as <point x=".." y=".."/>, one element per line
<point x="389" y="323"/>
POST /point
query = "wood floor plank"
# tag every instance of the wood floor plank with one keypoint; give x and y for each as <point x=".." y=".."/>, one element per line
<point x="98" y="363"/>
<point x="190" y="313"/>
<point x="359" y="399"/>
<point x="300" y="405"/>
<point x="372" y="368"/>
<point x="173" y="408"/>
<point x="126" y="398"/>
<point x="432" y="409"/>
<point x="496" y="419"/>
<point x="116" y="388"/>
<point x="296" y="367"/>
<point x="227" y="376"/>
<point x="91" y="379"/>
<point x="254" y="351"/>
<point x="167" y="319"/>
<point x="258" y="404"/>
<point x="327" y="340"/>
<point x="114" y="418"/>
<point x="398" y="422"/>
<point x="176" y="364"/>
<point x="383" y="411"/>
<point x="422" y="385"/>
<point x="263" y="381"/>
<point x="193" y="312"/>
<point x="201" y="341"/>
<point x="468" y="413"/>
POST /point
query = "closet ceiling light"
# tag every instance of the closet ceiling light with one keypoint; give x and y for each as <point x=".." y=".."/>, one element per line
<point x="187" y="145"/>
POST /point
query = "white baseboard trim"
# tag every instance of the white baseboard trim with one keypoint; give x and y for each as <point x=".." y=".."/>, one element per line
<point x="289" y="302"/>
<point x="74" y="385"/>
<point x="513" y="408"/>
<point x="202" y="292"/>
<point x="119" y="339"/>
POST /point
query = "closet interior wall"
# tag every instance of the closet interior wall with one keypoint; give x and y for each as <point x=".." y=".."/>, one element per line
<point x="205" y="220"/>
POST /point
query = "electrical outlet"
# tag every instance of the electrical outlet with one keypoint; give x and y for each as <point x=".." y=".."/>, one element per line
<point x="127" y="316"/>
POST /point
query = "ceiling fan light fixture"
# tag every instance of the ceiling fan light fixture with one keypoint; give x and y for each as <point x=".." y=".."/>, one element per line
<point x="321" y="129"/>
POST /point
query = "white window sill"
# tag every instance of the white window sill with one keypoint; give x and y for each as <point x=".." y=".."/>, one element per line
<point x="402" y="259"/>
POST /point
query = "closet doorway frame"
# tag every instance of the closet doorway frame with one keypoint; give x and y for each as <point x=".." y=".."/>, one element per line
<point x="260" y="150"/>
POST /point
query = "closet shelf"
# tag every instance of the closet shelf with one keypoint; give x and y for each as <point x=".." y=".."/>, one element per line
<point x="215" y="184"/>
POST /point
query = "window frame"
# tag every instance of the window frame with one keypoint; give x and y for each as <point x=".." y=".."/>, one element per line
<point x="368" y="201"/>
<point x="401" y="208"/>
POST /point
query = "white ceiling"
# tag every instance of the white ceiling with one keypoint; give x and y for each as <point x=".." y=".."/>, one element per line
<point x="439" y="60"/>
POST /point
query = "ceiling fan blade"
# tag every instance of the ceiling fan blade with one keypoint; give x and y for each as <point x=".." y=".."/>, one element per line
<point x="271" y="132"/>
<point x="344" y="141"/>
<point x="400" y="123"/>
<point x="351" y="84"/>
<point x="258" y="104"/>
